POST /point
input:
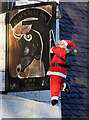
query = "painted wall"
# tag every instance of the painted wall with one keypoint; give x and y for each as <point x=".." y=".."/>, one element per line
<point x="17" y="107"/>
<point x="2" y="51"/>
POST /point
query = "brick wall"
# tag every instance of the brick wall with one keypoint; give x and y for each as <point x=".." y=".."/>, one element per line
<point x="73" y="26"/>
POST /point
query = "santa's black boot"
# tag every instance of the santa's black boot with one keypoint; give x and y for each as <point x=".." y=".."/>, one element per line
<point x="54" y="102"/>
<point x="67" y="88"/>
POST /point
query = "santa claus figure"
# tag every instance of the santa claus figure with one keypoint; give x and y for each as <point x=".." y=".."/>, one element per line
<point x="57" y="70"/>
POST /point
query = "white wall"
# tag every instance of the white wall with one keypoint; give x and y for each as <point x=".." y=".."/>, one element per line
<point x="17" y="107"/>
<point x="41" y="100"/>
<point x="57" y="30"/>
<point x="2" y="51"/>
<point x="2" y="42"/>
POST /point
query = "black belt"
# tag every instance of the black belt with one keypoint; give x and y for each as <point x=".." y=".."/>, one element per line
<point x="60" y="58"/>
<point x="58" y="64"/>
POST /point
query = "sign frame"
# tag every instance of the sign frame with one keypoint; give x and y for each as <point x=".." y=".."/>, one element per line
<point x="20" y="84"/>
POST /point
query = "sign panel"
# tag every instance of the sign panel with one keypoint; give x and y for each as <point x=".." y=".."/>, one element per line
<point x="29" y="35"/>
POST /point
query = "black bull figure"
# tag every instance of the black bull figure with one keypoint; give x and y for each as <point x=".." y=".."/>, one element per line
<point x="31" y="47"/>
<point x="34" y="44"/>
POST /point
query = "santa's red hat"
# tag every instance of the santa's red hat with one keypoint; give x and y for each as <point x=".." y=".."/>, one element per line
<point x="69" y="43"/>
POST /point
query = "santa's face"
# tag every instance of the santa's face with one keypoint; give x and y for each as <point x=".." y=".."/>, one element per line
<point x="61" y="44"/>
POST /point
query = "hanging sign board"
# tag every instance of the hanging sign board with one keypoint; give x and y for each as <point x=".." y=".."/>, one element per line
<point x="28" y="43"/>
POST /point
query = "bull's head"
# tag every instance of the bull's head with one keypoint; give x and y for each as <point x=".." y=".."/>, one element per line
<point x="30" y="44"/>
<point x="30" y="48"/>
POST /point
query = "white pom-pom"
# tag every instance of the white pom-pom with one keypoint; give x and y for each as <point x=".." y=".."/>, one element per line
<point x="75" y="51"/>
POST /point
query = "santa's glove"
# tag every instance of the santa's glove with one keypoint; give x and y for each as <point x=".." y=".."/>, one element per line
<point x="75" y="51"/>
<point x="66" y="88"/>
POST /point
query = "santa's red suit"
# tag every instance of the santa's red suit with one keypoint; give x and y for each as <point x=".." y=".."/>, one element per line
<point x="57" y="70"/>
